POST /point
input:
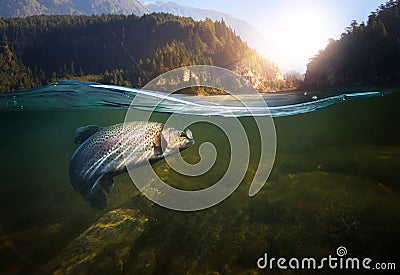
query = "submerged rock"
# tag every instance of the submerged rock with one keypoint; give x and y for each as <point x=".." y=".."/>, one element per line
<point x="103" y="246"/>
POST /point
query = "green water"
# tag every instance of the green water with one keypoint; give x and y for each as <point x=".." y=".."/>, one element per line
<point x="334" y="183"/>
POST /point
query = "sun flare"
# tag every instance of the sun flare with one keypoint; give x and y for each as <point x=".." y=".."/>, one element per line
<point x="299" y="34"/>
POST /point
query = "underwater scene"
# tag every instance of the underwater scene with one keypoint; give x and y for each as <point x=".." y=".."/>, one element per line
<point x="333" y="184"/>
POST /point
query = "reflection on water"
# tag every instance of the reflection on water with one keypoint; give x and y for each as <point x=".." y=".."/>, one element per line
<point x="334" y="183"/>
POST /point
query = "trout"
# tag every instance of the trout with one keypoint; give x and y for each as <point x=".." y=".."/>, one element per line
<point x="106" y="152"/>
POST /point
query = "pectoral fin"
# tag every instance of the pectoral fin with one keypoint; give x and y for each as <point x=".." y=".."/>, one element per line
<point x="96" y="183"/>
<point x="107" y="184"/>
<point x="159" y="144"/>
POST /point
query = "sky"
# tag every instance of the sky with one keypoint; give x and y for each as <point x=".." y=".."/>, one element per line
<point x="293" y="31"/>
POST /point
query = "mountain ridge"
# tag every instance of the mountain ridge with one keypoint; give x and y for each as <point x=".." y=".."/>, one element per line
<point x="23" y="8"/>
<point x="247" y="32"/>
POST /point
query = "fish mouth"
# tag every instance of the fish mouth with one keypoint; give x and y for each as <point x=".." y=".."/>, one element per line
<point x="187" y="144"/>
<point x="190" y="142"/>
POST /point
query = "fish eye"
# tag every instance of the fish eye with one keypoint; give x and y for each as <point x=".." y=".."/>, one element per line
<point x="187" y="134"/>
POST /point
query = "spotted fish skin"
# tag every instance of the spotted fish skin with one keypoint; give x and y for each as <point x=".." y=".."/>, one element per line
<point x="106" y="152"/>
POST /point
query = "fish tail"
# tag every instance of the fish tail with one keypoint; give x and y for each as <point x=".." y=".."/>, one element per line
<point x="96" y="198"/>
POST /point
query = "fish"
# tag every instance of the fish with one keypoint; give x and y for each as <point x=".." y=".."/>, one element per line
<point x="107" y="152"/>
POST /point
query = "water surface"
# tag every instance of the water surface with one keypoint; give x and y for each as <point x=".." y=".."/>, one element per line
<point x="334" y="183"/>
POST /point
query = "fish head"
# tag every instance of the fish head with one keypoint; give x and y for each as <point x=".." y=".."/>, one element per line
<point x="173" y="141"/>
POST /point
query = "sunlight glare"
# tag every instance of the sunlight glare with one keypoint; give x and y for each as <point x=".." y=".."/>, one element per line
<point x="299" y="34"/>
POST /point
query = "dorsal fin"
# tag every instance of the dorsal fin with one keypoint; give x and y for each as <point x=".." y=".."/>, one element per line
<point x="85" y="132"/>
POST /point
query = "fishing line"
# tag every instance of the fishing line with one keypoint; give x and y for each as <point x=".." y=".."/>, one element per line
<point x="127" y="52"/>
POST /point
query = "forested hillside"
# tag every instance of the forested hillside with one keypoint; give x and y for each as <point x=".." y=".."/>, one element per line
<point x="366" y="54"/>
<point x="120" y="49"/>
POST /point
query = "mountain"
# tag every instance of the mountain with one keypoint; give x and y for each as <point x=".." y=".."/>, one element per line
<point x="21" y="8"/>
<point x="122" y="50"/>
<point x="242" y="28"/>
